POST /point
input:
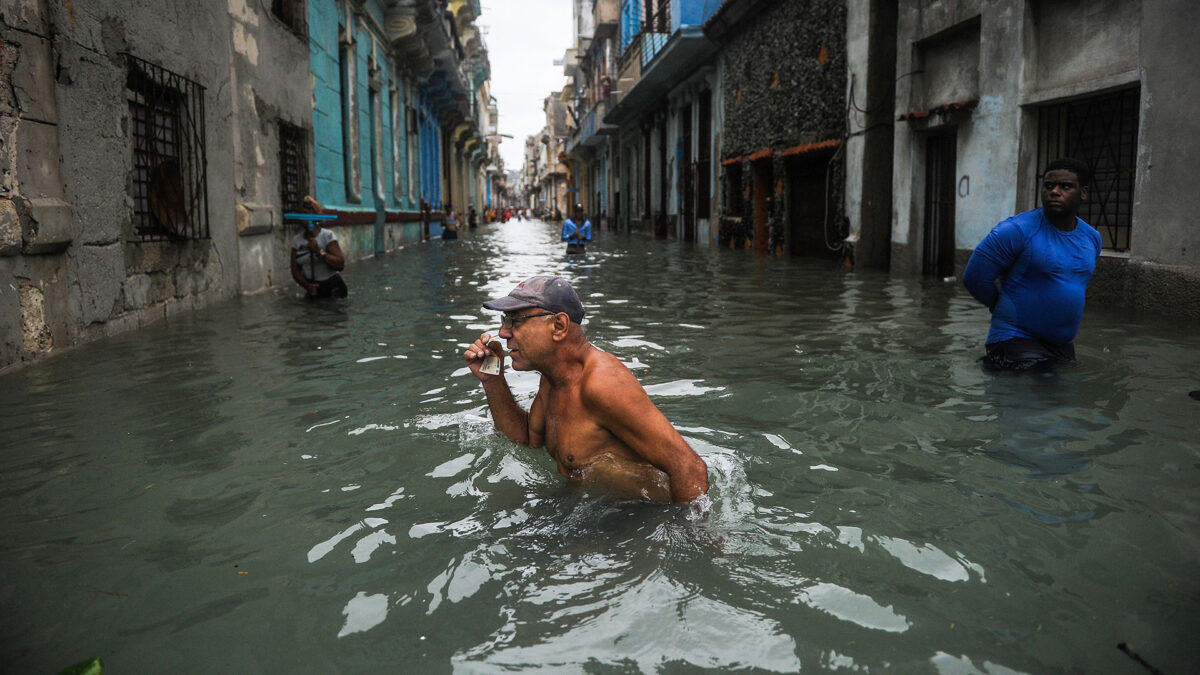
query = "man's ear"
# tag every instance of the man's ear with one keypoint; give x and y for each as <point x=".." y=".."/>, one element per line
<point x="1083" y="193"/>
<point x="562" y="325"/>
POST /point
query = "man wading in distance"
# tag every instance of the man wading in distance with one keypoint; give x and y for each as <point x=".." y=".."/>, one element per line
<point x="590" y="412"/>
<point x="1043" y="260"/>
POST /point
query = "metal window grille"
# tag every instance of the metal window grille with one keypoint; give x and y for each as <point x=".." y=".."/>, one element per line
<point x="938" y="249"/>
<point x="293" y="166"/>
<point x="292" y="14"/>
<point x="169" y="182"/>
<point x="1102" y="132"/>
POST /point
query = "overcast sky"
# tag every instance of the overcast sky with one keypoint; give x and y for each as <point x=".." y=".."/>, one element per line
<point x="524" y="37"/>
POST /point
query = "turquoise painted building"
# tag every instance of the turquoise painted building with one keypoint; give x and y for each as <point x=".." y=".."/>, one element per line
<point x="390" y="110"/>
<point x="368" y="164"/>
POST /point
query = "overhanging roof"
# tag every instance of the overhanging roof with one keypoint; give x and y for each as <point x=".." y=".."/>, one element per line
<point x="686" y="50"/>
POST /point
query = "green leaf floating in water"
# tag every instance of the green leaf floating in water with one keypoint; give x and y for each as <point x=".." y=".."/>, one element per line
<point x="90" y="667"/>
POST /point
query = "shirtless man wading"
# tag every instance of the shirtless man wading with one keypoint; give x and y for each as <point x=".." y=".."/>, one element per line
<point x="590" y="412"/>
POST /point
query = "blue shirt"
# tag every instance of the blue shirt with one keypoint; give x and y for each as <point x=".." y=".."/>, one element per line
<point x="1043" y="273"/>
<point x="570" y="228"/>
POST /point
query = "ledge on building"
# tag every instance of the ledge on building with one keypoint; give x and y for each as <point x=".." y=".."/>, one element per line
<point x="684" y="51"/>
<point x="806" y="148"/>
<point x="944" y="109"/>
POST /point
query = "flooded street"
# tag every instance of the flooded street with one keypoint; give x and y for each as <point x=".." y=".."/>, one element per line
<point x="274" y="485"/>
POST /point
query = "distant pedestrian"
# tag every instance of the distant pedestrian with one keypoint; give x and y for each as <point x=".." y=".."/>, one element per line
<point x="317" y="258"/>
<point x="450" y="225"/>
<point x="577" y="231"/>
<point x="472" y="217"/>
<point x="1043" y="260"/>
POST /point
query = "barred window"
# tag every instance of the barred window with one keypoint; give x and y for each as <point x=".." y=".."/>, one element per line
<point x="291" y="13"/>
<point x="293" y="166"/>
<point x="169" y="182"/>
<point x="1102" y="132"/>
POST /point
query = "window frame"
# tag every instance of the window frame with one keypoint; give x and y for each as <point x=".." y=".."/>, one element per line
<point x="293" y="166"/>
<point x="168" y="180"/>
<point x="1101" y="130"/>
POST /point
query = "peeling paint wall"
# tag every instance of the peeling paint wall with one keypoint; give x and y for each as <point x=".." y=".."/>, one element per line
<point x="72" y="267"/>
<point x="1036" y="55"/>
<point x="269" y="84"/>
<point x="948" y="54"/>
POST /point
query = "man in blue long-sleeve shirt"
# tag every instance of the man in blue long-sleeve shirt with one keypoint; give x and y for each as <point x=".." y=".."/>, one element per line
<point x="576" y="231"/>
<point x="1043" y="260"/>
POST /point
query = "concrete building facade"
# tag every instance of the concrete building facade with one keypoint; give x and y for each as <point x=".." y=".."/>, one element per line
<point x="135" y="150"/>
<point x="664" y="120"/>
<point x="988" y="92"/>
<point x="400" y="116"/>
<point x="150" y="150"/>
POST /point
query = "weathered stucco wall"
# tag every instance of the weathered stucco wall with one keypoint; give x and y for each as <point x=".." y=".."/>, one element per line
<point x="1042" y="54"/>
<point x="981" y="43"/>
<point x="1161" y="274"/>
<point x="269" y="84"/>
<point x="72" y="266"/>
<point x="80" y="271"/>
<point x="871" y="113"/>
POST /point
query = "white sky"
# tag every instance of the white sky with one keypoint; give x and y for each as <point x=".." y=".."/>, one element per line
<point x="524" y="37"/>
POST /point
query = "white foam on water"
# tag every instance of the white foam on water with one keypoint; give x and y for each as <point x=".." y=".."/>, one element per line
<point x="927" y="559"/>
<point x="845" y="604"/>
<point x="680" y="388"/>
<point x="361" y="430"/>
<point x="363" y="613"/>
<point x="366" y="546"/>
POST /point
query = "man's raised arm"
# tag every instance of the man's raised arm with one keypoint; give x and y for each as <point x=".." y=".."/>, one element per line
<point x="510" y="419"/>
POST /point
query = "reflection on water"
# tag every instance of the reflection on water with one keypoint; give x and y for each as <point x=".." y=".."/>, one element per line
<point x="277" y="484"/>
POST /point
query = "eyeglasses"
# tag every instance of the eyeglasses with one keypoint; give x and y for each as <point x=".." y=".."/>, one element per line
<point x="510" y="322"/>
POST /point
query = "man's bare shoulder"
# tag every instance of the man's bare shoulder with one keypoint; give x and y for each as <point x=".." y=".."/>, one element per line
<point x="604" y="375"/>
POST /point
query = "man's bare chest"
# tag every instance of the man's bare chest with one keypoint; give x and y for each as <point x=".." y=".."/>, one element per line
<point x="573" y="437"/>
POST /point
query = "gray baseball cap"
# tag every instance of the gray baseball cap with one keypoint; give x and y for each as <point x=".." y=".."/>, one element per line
<point x="546" y="292"/>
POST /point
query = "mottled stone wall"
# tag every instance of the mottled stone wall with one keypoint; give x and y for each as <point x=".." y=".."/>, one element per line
<point x="784" y="87"/>
<point x="785" y="77"/>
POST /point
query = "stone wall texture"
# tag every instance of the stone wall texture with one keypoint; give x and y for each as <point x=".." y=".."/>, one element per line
<point x="785" y="77"/>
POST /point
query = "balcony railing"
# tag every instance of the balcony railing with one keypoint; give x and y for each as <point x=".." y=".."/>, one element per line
<point x="642" y="39"/>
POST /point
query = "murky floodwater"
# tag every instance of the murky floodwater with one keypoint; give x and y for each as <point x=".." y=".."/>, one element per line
<point x="275" y="485"/>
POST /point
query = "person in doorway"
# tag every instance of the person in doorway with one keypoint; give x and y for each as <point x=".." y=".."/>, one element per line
<point x="1042" y="260"/>
<point x="576" y="231"/>
<point x="317" y="258"/>
<point x="450" y="225"/>
<point x="472" y="217"/>
<point x="590" y="412"/>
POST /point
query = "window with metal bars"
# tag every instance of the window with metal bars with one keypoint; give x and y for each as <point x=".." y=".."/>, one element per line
<point x="1102" y="132"/>
<point x="292" y="14"/>
<point x="169" y="182"/>
<point x="293" y="166"/>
